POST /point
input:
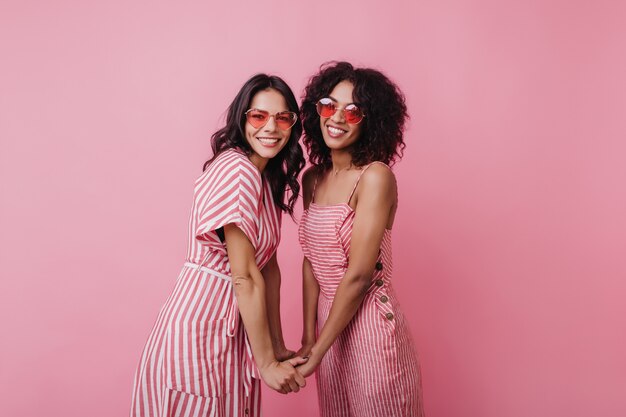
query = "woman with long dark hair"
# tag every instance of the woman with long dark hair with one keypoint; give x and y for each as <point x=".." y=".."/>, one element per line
<point x="354" y="331"/>
<point x="219" y="332"/>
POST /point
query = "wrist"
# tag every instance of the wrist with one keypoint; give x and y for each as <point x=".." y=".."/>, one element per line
<point x="316" y="353"/>
<point x="308" y="340"/>
<point x="318" y="349"/>
<point x="265" y="361"/>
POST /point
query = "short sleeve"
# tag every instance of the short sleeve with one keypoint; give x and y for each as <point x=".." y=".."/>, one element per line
<point x="230" y="193"/>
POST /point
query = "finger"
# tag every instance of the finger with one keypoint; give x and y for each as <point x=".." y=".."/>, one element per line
<point x="294" y="386"/>
<point x="300" y="380"/>
<point x="298" y="360"/>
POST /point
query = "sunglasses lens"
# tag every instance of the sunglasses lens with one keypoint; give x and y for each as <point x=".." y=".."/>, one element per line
<point x="257" y="118"/>
<point x="326" y="107"/>
<point x="353" y="114"/>
<point x="286" y="119"/>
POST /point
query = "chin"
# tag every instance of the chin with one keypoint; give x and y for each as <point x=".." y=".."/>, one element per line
<point x="336" y="144"/>
<point x="267" y="153"/>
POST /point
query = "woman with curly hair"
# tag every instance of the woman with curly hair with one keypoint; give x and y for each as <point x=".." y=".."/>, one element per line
<point x="219" y="332"/>
<point x="355" y="334"/>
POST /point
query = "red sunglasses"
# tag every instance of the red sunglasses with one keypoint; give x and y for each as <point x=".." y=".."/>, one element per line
<point x="326" y="107"/>
<point x="259" y="118"/>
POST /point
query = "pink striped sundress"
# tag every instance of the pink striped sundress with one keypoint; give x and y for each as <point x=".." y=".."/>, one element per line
<point x="372" y="369"/>
<point x="197" y="361"/>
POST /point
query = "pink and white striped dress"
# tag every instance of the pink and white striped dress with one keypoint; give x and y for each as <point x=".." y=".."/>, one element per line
<point x="372" y="369"/>
<point x="198" y="361"/>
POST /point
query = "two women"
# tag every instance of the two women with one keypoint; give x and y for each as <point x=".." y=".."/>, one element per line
<point x="220" y="330"/>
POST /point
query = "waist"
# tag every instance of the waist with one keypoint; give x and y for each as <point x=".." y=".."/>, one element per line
<point x="207" y="270"/>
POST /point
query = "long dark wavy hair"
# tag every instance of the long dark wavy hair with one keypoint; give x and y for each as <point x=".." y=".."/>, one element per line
<point x="381" y="100"/>
<point x="282" y="171"/>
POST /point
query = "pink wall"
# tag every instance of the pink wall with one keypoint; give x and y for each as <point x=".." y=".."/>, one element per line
<point x="512" y="217"/>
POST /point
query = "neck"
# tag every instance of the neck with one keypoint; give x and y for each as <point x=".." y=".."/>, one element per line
<point x="259" y="162"/>
<point x="341" y="159"/>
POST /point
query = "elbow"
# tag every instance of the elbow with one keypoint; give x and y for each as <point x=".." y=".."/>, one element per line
<point x="365" y="286"/>
<point x="361" y="282"/>
<point x="244" y="285"/>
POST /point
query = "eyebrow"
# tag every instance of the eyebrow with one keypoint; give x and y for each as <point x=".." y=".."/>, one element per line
<point x="267" y="111"/>
<point x="337" y="101"/>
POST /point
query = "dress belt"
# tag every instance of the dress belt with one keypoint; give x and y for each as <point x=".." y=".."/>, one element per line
<point x="233" y="319"/>
<point x="209" y="270"/>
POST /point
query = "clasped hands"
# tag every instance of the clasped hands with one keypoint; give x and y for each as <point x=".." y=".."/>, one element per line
<point x="287" y="374"/>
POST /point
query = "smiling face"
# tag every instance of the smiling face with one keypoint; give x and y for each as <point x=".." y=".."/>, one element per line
<point x="337" y="133"/>
<point x="268" y="140"/>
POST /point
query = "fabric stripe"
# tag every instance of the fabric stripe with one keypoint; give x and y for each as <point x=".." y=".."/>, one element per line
<point x="197" y="360"/>
<point x="372" y="369"/>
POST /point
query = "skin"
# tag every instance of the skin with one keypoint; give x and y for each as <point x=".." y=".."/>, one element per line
<point x="340" y="142"/>
<point x="271" y="275"/>
<point x="273" y="102"/>
<point x="258" y="292"/>
<point x="374" y="203"/>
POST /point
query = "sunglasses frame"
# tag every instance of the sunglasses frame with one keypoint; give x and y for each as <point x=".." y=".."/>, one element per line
<point x="295" y="120"/>
<point x="337" y="108"/>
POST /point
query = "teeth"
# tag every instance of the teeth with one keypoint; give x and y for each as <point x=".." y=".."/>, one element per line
<point x="336" y="131"/>
<point x="268" y="141"/>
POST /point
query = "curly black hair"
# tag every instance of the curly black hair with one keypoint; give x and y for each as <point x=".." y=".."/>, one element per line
<point x="380" y="99"/>
<point x="281" y="171"/>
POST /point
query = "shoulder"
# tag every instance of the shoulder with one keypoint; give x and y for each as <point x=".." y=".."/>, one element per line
<point x="235" y="159"/>
<point x="378" y="175"/>
<point x="309" y="176"/>
<point x="233" y="162"/>
<point x="377" y="181"/>
<point x="231" y="167"/>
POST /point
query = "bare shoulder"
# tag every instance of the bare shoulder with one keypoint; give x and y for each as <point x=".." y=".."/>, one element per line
<point x="379" y="176"/>
<point x="308" y="178"/>
<point x="308" y="182"/>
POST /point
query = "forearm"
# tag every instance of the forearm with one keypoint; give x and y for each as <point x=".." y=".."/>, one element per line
<point x="310" y="295"/>
<point x="249" y="288"/>
<point x="347" y="301"/>
<point x="272" y="295"/>
<point x="250" y="292"/>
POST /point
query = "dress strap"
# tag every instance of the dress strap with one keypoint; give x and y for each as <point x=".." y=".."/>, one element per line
<point x="356" y="184"/>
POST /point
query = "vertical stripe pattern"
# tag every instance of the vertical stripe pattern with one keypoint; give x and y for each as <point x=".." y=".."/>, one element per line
<point x="372" y="369"/>
<point x="197" y="361"/>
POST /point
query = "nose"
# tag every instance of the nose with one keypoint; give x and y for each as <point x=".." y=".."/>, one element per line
<point x="338" y="116"/>
<point x="270" y="126"/>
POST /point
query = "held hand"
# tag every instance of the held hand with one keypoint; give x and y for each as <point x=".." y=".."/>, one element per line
<point x="305" y="350"/>
<point x="282" y="354"/>
<point x="283" y="376"/>
<point x="309" y="367"/>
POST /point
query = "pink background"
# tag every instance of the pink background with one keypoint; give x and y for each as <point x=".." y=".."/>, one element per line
<point x="510" y="237"/>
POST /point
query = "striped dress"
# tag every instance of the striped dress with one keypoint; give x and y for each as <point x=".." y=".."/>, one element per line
<point x="198" y="361"/>
<point x="372" y="369"/>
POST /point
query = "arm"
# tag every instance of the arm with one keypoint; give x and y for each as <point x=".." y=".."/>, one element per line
<point x="250" y="292"/>
<point x="310" y="287"/>
<point x="373" y="210"/>
<point x="271" y="275"/>
<point x="310" y="294"/>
